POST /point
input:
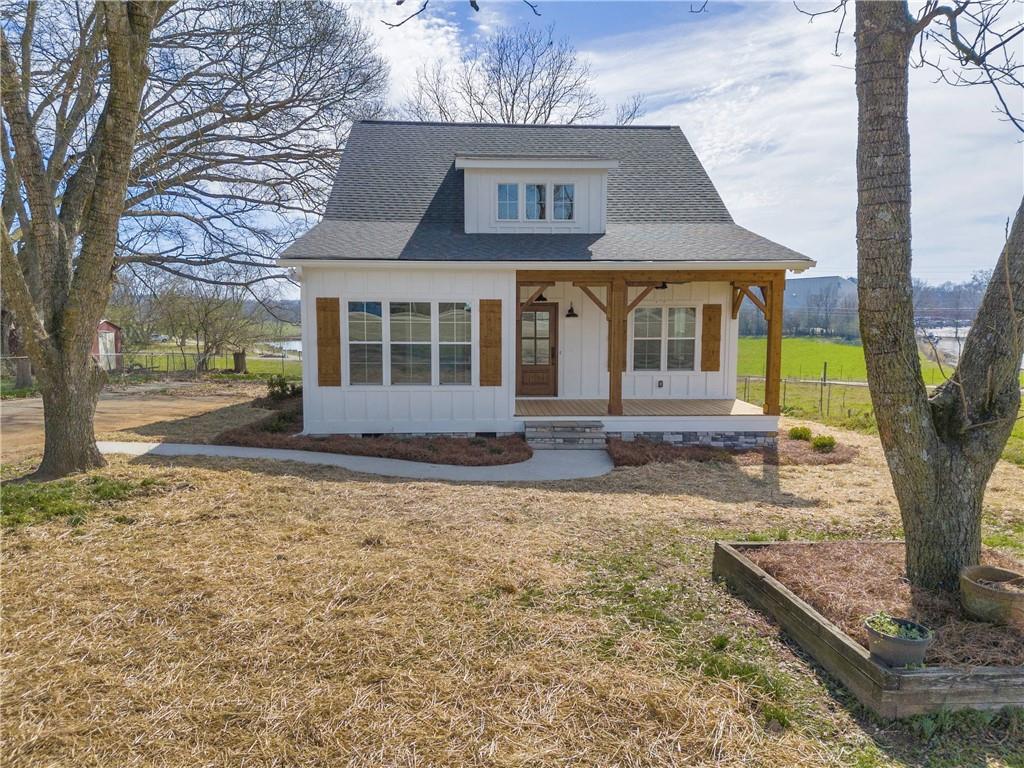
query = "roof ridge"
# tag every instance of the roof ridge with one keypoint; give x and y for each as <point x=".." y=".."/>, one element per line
<point x="516" y="125"/>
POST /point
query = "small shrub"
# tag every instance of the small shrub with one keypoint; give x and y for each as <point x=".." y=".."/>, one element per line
<point x="279" y="388"/>
<point x="823" y="443"/>
<point x="800" y="433"/>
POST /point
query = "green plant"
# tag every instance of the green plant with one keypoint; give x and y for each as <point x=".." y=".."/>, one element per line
<point x="823" y="443"/>
<point x="800" y="433"/>
<point x="885" y="624"/>
<point x="280" y="388"/>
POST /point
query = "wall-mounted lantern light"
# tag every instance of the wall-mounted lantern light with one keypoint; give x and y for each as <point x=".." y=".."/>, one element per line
<point x="571" y="312"/>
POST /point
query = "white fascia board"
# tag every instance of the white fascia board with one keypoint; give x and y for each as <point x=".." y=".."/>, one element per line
<point x="536" y="163"/>
<point x="697" y="266"/>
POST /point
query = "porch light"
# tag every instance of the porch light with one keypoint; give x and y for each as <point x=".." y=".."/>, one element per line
<point x="571" y="312"/>
<point x="540" y="299"/>
<point x="661" y="287"/>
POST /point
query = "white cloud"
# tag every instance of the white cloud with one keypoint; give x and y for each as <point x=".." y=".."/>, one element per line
<point x="772" y="114"/>
<point x="432" y="35"/>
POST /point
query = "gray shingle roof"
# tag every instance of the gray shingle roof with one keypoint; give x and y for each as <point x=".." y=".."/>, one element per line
<point x="398" y="195"/>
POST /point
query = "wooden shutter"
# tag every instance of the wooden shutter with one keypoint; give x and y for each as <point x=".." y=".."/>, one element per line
<point x="490" y="342"/>
<point x="711" y="338"/>
<point x="328" y="342"/>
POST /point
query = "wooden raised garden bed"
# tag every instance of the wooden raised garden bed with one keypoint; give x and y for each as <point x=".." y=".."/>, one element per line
<point x="890" y="693"/>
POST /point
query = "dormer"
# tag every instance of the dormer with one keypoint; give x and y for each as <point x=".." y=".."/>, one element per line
<point x="535" y="194"/>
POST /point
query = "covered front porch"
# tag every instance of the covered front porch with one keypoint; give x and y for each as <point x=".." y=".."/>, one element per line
<point x="640" y="343"/>
<point x="589" y="408"/>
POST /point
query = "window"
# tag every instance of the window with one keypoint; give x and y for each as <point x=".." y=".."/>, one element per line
<point x="647" y="339"/>
<point x="563" y="198"/>
<point x="410" y="342"/>
<point x="535" y="202"/>
<point x="454" y="343"/>
<point x="682" y="338"/>
<point x="366" y="342"/>
<point x="508" y="202"/>
<point x="664" y="339"/>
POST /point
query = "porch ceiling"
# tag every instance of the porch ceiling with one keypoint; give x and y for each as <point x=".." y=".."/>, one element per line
<point x="540" y="408"/>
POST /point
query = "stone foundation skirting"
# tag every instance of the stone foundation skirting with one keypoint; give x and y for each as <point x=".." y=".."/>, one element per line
<point x="713" y="439"/>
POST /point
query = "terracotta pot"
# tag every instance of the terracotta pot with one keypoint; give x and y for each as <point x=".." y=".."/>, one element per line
<point x="899" y="651"/>
<point x="987" y="603"/>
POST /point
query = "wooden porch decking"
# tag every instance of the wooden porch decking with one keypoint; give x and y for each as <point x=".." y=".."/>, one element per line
<point x="543" y="408"/>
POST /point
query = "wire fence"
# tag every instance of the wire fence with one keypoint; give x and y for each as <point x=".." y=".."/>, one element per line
<point x="16" y="374"/>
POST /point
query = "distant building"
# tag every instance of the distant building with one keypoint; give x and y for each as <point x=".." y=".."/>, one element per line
<point x="106" y="346"/>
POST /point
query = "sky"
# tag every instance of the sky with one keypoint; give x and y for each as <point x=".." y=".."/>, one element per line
<point x="771" y="112"/>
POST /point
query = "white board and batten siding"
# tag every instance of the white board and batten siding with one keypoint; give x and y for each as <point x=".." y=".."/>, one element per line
<point x="582" y="353"/>
<point x="359" y="409"/>
<point x="583" y="346"/>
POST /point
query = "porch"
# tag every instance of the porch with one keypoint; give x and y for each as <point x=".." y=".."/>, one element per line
<point x="555" y="408"/>
<point x="584" y="350"/>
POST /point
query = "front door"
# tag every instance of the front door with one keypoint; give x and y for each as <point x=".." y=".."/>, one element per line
<point x="538" y="351"/>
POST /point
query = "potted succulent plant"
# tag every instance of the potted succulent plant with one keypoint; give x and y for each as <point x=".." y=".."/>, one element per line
<point x="897" y="642"/>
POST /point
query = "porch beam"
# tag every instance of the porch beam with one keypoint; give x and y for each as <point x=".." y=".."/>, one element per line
<point x="600" y="304"/>
<point x="643" y="295"/>
<point x="759" y="303"/>
<point x="597" y="276"/>
<point x="617" y="313"/>
<point x="737" y="300"/>
<point x="537" y="292"/>
<point x="774" y="293"/>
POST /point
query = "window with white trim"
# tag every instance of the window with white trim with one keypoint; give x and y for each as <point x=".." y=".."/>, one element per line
<point x="410" y="326"/>
<point x="454" y="343"/>
<point x="508" y="202"/>
<point x="365" y="342"/>
<point x="681" y="332"/>
<point x="536" y="202"/>
<point x="664" y="338"/>
<point x="647" y="333"/>
<point x="563" y="201"/>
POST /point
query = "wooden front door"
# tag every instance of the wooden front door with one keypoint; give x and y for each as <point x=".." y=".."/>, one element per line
<point x="537" y="363"/>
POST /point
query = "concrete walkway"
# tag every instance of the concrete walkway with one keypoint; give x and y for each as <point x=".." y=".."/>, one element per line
<point x="543" y="465"/>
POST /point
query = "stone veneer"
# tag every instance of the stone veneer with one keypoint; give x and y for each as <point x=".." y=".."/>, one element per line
<point x="713" y="439"/>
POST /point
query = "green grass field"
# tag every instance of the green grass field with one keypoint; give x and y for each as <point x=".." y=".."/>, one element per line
<point x="848" y="407"/>
<point x="804" y="358"/>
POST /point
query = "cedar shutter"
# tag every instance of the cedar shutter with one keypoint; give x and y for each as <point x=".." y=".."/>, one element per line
<point x="490" y="342"/>
<point x="328" y="342"/>
<point x="711" y="338"/>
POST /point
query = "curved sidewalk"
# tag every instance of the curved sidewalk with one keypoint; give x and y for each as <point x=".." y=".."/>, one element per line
<point x="543" y="465"/>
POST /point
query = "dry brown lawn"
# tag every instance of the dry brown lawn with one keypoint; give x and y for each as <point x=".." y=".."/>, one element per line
<point x="260" y="613"/>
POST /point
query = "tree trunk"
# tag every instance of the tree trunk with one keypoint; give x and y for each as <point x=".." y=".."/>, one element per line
<point x="70" y="392"/>
<point x="940" y="450"/>
<point x="239" y="361"/>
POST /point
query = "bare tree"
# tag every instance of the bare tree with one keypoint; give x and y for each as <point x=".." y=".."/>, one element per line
<point x="941" y="450"/>
<point x="58" y="283"/>
<point x="191" y="138"/>
<point x="206" y="319"/>
<point x="518" y="75"/>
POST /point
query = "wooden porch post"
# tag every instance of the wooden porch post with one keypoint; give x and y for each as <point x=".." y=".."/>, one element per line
<point x="773" y="364"/>
<point x="616" y="343"/>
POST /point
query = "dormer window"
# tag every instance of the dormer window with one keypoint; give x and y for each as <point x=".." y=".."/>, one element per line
<point x="536" y="202"/>
<point x="508" y="202"/>
<point x="563" y="198"/>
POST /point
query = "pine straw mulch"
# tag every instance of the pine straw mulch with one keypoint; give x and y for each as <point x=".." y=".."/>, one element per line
<point x="847" y="581"/>
<point x="278" y="430"/>
<point x="637" y="453"/>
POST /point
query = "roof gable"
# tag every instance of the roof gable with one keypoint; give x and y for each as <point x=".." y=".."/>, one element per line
<point x="397" y="171"/>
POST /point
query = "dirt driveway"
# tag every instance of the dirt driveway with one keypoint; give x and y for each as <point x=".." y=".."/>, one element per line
<point x="21" y="421"/>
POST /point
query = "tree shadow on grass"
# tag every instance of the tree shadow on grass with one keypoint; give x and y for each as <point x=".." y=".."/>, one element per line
<point x="199" y="428"/>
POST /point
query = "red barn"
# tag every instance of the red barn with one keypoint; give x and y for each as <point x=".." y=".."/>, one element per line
<point x="106" y="346"/>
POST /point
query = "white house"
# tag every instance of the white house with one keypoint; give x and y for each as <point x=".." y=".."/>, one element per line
<point x="473" y="278"/>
